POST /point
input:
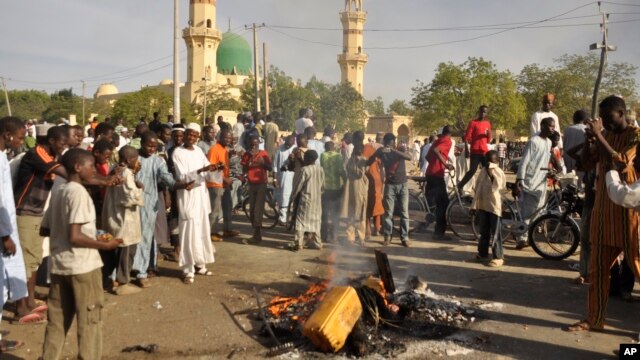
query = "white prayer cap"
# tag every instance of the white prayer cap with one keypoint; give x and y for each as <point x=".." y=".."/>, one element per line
<point x="41" y="129"/>
<point x="216" y="128"/>
<point x="194" y="126"/>
<point x="326" y="139"/>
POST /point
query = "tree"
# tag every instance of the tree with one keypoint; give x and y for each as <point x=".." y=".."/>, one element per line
<point x="456" y="92"/>
<point x="218" y="98"/>
<point x="375" y="107"/>
<point x="343" y="108"/>
<point x="572" y="79"/>
<point x="63" y="102"/>
<point x="142" y="104"/>
<point x="286" y="98"/>
<point x="25" y="104"/>
<point x="400" y="107"/>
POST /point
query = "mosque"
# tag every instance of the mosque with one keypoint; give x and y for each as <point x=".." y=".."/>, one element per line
<point x="213" y="57"/>
<point x="226" y="60"/>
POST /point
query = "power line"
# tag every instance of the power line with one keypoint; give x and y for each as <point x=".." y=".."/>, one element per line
<point x="620" y="4"/>
<point x="500" y="26"/>
<point x="108" y="76"/>
<point x="446" y="42"/>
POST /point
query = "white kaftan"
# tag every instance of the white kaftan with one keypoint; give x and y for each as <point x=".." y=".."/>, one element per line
<point x="194" y="207"/>
<point x="13" y="278"/>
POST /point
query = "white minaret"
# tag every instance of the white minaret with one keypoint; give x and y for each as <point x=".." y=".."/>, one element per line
<point x="202" y="39"/>
<point x="352" y="60"/>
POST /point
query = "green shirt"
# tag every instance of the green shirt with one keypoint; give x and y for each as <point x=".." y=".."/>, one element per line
<point x="333" y="167"/>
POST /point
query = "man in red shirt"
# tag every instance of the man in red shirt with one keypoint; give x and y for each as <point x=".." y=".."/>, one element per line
<point x="478" y="135"/>
<point x="256" y="164"/>
<point x="436" y="186"/>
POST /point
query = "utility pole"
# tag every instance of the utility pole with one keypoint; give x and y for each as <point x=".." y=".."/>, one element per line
<point x="6" y="96"/>
<point x="256" y="75"/>
<point x="84" y="85"/>
<point x="265" y="71"/>
<point x="605" y="48"/>
<point x="204" y="111"/>
<point x="176" y="63"/>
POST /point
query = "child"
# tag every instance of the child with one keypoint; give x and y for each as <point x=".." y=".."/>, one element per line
<point x="332" y="165"/>
<point x="308" y="185"/>
<point x="488" y="205"/>
<point x="76" y="285"/>
<point x="153" y="170"/>
<point x="121" y="217"/>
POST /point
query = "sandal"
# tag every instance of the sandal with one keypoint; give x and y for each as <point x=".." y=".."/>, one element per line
<point x="188" y="279"/>
<point x="581" y="326"/>
<point x="10" y="345"/>
<point x="579" y="280"/>
<point x="203" y="271"/>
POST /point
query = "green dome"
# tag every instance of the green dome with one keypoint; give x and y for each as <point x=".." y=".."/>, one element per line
<point x="234" y="52"/>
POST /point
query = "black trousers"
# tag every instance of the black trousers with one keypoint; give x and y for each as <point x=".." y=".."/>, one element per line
<point x="476" y="159"/>
<point x="437" y="193"/>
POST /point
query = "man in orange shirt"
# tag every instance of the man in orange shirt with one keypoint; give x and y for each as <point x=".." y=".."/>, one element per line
<point x="219" y="193"/>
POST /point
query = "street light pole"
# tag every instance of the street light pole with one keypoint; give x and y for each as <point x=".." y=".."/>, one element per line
<point x="176" y="63"/>
<point x="84" y="85"/>
<point x="605" y="47"/>
<point x="204" y="111"/>
<point x="255" y="63"/>
<point x="6" y="96"/>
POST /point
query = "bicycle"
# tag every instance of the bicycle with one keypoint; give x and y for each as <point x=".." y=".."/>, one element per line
<point x="271" y="212"/>
<point x="556" y="234"/>
<point x="512" y="223"/>
<point x="421" y="213"/>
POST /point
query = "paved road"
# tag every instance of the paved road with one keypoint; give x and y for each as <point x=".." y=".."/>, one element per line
<point x="211" y="319"/>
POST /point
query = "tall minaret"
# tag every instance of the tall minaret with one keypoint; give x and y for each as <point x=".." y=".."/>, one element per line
<point x="202" y="39"/>
<point x="352" y="60"/>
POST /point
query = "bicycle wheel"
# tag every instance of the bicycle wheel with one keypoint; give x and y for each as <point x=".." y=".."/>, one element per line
<point x="553" y="239"/>
<point x="269" y="215"/>
<point x="459" y="218"/>
<point x="508" y="214"/>
<point x="417" y="214"/>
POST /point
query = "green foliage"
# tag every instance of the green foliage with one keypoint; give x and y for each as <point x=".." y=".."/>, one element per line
<point x="63" y="102"/>
<point x="375" y="107"/>
<point x="400" y="107"/>
<point x="572" y="80"/>
<point x="142" y="104"/>
<point x="25" y="104"/>
<point x="287" y="97"/>
<point x="343" y="108"/>
<point x="336" y="105"/>
<point x="456" y="92"/>
<point x="218" y="98"/>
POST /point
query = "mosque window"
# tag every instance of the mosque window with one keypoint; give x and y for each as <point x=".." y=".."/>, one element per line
<point x="209" y="23"/>
<point x="359" y="49"/>
<point x="228" y="81"/>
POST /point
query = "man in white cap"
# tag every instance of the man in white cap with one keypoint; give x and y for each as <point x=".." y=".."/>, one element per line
<point x="304" y="121"/>
<point x="196" y="249"/>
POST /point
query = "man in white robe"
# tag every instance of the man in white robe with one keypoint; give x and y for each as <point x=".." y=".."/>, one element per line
<point x="196" y="250"/>
<point x="531" y="182"/>
<point x="282" y="177"/>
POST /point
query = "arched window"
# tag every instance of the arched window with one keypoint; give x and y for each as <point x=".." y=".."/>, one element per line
<point x="359" y="49"/>
<point x="209" y="23"/>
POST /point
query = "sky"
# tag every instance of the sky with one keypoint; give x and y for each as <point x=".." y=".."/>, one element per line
<point x="54" y="44"/>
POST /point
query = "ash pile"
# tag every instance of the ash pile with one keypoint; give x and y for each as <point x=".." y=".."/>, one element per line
<point x="361" y="316"/>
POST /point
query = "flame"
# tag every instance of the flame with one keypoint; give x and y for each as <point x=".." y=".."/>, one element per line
<point x="315" y="293"/>
<point x="279" y="304"/>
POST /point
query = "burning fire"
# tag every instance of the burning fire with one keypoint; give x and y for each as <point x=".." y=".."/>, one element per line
<point x="315" y="293"/>
<point x="279" y="304"/>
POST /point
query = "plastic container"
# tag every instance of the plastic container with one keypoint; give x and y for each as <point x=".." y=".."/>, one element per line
<point x="332" y="322"/>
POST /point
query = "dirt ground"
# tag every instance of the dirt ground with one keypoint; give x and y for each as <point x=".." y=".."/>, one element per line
<point x="530" y="299"/>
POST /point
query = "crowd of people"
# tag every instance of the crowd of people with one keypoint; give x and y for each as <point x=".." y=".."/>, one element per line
<point x="97" y="204"/>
